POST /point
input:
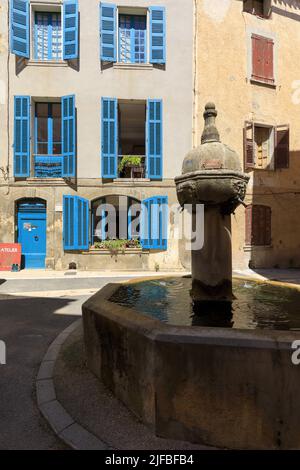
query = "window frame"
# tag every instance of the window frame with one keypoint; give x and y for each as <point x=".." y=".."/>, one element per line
<point x="50" y="142"/>
<point x="132" y="40"/>
<point x="267" y="9"/>
<point x="133" y="11"/>
<point x="44" y="8"/>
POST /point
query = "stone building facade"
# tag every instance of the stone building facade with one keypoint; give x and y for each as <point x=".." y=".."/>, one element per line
<point x="247" y="63"/>
<point x="83" y="84"/>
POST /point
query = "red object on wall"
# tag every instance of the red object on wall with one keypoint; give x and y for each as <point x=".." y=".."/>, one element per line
<point x="262" y="59"/>
<point x="10" y="253"/>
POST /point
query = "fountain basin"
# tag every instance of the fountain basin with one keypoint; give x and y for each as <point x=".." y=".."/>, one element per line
<point x="218" y="386"/>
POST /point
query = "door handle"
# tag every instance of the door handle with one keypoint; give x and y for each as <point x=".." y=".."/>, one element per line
<point x="36" y="238"/>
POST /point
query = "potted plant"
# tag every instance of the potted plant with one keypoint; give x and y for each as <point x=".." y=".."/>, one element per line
<point x="133" y="162"/>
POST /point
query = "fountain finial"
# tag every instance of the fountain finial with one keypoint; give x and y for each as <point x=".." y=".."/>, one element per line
<point x="210" y="131"/>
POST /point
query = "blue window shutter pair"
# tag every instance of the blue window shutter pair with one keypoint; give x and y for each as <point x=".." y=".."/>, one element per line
<point x="75" y="223"/>
<point x="108" y="33"/>
<point x="154" y="223"/>
<point x="109" y="132"/>
<point x="19" y="27"/>
<point x="154" y="138"/>
<point x="70" y="29"/>
<point x="68" y="122"/>
<point x="22" y="136"/>
<point x="157" y="35"/>
<point x="20" y="33"/>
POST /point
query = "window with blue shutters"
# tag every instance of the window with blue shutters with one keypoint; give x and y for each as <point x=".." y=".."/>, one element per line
<point x="154" y="138"/>
<point x="157" y="35"/>
<point x="19" y="27"/>
<point x="108" y="32"/>
<point x="109" y="137"/>
<point x="75" y="223"/>
<point x="47" y="36"/>
<point x="154" y="223"/>
<point x="133" y="34"/>
<point x="22" y="136"/>
<point x="70" y="29"/>
<point x="68" y="136"/>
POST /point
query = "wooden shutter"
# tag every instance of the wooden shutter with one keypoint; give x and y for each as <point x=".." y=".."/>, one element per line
<point x="157" y="35"/>
<point x="258" y="225"/>
<point x="154" y="132"/>
<point x="154" y="223"/>
<point x="109" y="136"/>
<point x="262" y="59"/>
<point x="248" y="6"/>
<point x="22" y="136"/>
<point x="19" y="27"/>
<point x="108" y="32"/>
<point x="249" y="147"/>
<point x="282" y="146"/>
<point x="75" y="223"/>
<point x="68" y="123"/>
<point x="70" y="29"/>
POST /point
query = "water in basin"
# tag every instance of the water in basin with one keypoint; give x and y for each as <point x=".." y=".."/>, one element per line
<point x="256" y="305"/>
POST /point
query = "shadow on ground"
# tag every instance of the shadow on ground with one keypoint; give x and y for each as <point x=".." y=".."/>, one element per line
<point x="27" y="326"/>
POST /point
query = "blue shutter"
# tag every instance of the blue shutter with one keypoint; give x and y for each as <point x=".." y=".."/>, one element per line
<point x="154" y="132"/>
<point x="19" y="27"/>
<point x="68" y="132"/>
<point x="22" y="136"/>
<point x="75" y="223"/>
<point x="70" y="29"/>
<point x="108" y="32"/>
<point x="154" y="223"/>
<point x="157" y="35"/>
<point x="109" y="135"/>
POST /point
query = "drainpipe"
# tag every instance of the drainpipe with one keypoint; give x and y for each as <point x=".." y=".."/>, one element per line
<point x="195" y="62"/>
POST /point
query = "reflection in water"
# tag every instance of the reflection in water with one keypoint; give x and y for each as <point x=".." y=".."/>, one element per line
<point x="255" y="305"/>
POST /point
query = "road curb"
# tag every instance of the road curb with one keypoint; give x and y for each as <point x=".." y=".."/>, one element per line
<point x="63" y="425"/>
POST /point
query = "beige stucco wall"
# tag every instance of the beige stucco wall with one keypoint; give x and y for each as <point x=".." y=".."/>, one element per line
<point x="89" y="81"/>
<point x="222" y="76"/>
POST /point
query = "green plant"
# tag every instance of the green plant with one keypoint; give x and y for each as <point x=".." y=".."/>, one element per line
<point x="156" y="267"/>
<point x="114" y="246"/>
<point x="129" y="160"/>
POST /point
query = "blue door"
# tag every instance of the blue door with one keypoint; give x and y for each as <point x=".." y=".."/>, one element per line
<point x="32" y="234"/>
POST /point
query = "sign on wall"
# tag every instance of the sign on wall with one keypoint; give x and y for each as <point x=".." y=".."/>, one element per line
<point x="10" y="255"/>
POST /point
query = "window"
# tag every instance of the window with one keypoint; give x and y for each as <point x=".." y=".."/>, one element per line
<point x="48" y="128"/>
<point x="260" y="8"/>
<point x="135" y="41"/>
<point x="132" y="138"/>
<point x="262" y="59"/>
<point x="54" y="138"/>
<point x="258" y="225"/>
<point x="116" y="224"/>
<point x="266" y="147"/>
<point x="132" y="38"/>
<point x="51" y="37"/>
<point x="115" y="217"/>
<point x="48" y="36"/>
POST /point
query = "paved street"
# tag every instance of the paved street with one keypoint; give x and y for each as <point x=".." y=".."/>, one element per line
<point x="28" y="324"/>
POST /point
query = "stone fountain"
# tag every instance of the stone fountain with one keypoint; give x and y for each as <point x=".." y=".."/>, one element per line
<point x="233" y="388"/>
<point x="212" y="176"/>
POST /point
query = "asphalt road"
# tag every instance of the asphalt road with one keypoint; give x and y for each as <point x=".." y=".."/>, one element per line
<point x="28" y="325"/>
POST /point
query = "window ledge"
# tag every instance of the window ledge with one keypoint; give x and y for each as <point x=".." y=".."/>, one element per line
<point x="127" y="251"/>
<point x="49" y="63"/>
<point x="46" y="181"/>
<point x="248" y="248"/>
<point x="131" y="180"/>
<point x="129" y="66"/>
<point x="262" y="82"/>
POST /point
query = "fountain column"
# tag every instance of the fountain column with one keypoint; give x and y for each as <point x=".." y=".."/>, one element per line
<point x="212" y="176"/>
